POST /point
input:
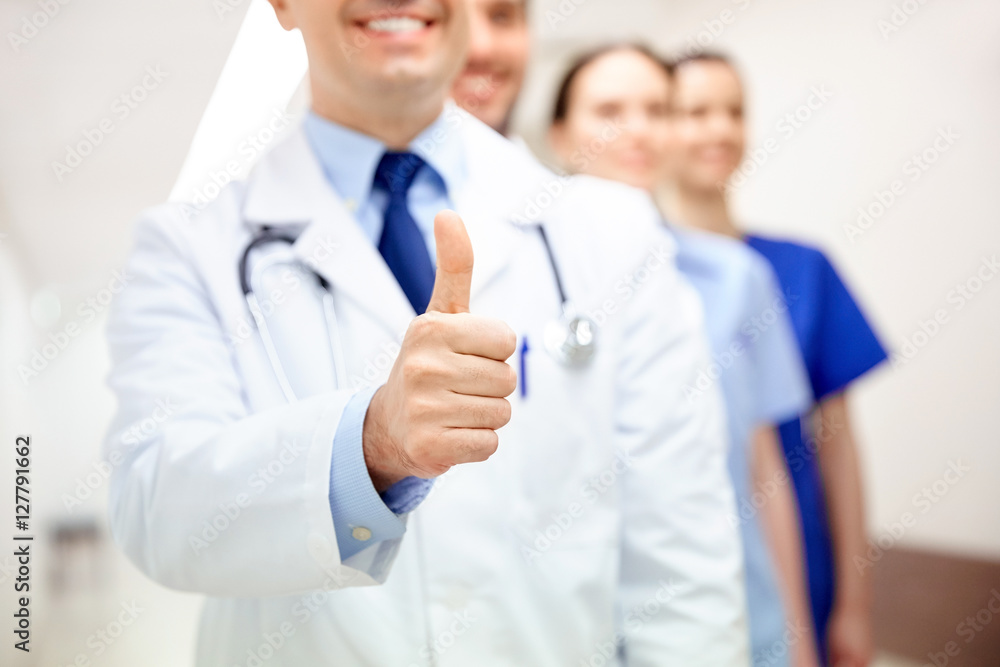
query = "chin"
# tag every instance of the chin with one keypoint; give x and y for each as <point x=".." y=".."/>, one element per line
<point x="492" y="115"/>
<point x="407" y="74"/>
<point x="642" y="179"/>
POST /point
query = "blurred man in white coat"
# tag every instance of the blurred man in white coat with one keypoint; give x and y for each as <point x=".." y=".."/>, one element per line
<point x="373" y="460"/>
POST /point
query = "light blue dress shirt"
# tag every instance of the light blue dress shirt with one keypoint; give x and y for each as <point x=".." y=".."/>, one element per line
<point x="756" y="364"/>
<point x="349" y="160"/>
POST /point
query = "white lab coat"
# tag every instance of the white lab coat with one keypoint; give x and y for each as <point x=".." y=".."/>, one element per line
<point x="604" y="508"/>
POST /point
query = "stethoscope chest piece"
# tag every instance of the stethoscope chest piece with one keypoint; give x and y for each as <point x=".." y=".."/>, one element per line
<point x="571" y="339"/>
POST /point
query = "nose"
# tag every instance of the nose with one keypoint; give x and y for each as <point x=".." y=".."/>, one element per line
<point x="480" y="39"/>
<point x="637" y="124"/>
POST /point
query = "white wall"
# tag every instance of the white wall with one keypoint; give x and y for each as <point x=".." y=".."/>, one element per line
<point x="890" y="94"/>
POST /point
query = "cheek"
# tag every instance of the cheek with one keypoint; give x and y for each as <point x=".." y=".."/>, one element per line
<point x="587" y="133"/>
<point x="739" y="140"/>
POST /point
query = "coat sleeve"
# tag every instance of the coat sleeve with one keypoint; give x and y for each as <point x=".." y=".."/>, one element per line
<point x="205" y="496"/>
<point x="681" y="594"/>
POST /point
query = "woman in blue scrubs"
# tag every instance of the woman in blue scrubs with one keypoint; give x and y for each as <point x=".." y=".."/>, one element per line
<point x="612" y="120"/>
<point x="837" y="345"/>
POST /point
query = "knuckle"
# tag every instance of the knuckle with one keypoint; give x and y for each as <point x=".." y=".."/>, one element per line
<point x="471" y="448"/>
<point x="510" y="380"/>
<point x="494" y="414"/>
<point x="418" y="369"/>
<point x="476" y="445"/>
<point x="424" y="326"/>
<point x="503" y="411"/>
<point x="508" y="339"/>
<point x="489" y="445"/>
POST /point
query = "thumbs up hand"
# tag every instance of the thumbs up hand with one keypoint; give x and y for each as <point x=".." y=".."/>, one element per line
<point x="446" y="393"/>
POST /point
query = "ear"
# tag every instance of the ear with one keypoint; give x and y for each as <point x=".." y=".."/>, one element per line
<point x="284" y="13"/>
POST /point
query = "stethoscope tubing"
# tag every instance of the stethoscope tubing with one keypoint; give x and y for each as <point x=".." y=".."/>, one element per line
<point x="567" y="346"/>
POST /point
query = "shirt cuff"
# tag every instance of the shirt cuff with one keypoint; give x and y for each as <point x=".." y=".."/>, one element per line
<point x="361" y="517"/>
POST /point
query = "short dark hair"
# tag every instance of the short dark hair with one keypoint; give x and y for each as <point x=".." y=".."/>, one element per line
<point x="561" y="108"/>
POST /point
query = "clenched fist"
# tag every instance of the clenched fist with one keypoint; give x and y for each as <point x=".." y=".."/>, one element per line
<point x="446" y="393"/>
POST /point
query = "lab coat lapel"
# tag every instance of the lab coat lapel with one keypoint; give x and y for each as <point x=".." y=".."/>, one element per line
<point x="496" y="201"/>
<point x="289" y="190"/>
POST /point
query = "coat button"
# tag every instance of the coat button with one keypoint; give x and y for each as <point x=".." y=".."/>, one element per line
<point x="361" y="534"/>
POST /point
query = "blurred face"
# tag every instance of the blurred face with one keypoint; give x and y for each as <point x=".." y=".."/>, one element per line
<point x="379" y="52"/>
<point x="617" y="124"/>
<point x="708" y="120"/>
<point x="498" y="54"/>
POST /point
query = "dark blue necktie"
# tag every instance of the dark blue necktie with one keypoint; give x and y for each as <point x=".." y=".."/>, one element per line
<point x="402" y="245"/>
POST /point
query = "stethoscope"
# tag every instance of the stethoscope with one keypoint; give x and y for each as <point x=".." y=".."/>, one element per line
<point x="571" y="339"/>
<point x="248" y="280"/>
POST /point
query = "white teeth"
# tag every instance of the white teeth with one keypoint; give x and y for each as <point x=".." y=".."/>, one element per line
<point x="396" y="24"/>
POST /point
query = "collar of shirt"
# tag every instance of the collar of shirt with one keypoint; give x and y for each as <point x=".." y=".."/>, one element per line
<point x="349" y="159"/>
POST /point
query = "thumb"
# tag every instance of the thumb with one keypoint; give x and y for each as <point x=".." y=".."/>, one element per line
<point x="454" y="265"/>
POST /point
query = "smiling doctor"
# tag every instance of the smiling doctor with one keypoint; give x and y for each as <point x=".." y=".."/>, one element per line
<point x="353" y="471"/>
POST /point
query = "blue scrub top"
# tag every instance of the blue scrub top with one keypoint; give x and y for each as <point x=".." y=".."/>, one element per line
<point x="756" y="364"/>
<point x="837" y="346"/>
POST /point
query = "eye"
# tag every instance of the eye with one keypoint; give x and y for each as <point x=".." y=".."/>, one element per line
<point x="505" y="14"/>
<point x="736" y="112"/>
<point x="608" y="110"/>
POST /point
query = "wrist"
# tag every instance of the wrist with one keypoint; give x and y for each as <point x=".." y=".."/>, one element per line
<point x="385" y="466"/>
